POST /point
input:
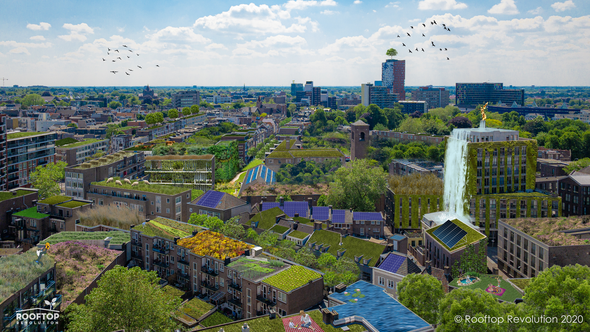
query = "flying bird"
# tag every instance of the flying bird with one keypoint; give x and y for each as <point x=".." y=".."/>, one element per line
<point x="417" y="49"/>
<point x="409" y="34"/>
<point x="410" y="51"/>
<point x="422" y="50"/>
<point x="130" y="69"/>
<point x="108" y="49"/>
<point x="137" y="54"/>
<point x="424" y="25"/>
<point x="445" y="48"/>
<point x="434" y="22"/>
<point x="113" y="60"/>
<point x="433" y="43"/>
<point x="127" y="73"/>
<point x="411" y="27"/>
<point x="117" y="51"/>
<point x="103" y="59"/>
<point x="449" y="30"/>
<point x="398" y="36"/>
<point x="124" y="45"/>
<point x="131" y="51"/>
<point x="139" y="67"/>
<point x="108" y="53"/>
<point x="157" y="65"/>
<point x="128" y="57"/>
<point x="114" y="71"/>
<point x="448" y="58"/>
<point x="423" y="35"/>
<point x="119" y="58"/>
<point x="403" y="44"/>
<point x="443" y="25"/>
<point x="441" y="49"/>
<point x="431" y="23"/>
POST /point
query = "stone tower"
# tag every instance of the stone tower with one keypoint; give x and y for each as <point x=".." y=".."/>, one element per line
<point x="359" y="140"/>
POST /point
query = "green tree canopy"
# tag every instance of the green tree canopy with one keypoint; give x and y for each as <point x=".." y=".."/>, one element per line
<point x="173" y="113"/>
<point x="46" y="178"/>
<point x="469" y="303"/>
<point x="186" y="111"/>
<point x="114" y="104"/>
<point x="391" y="52"/>
<point x="32" y="100"/>
<point x="194" y="109"/>
<point x="421" y="293"/>
<point x="358" y="185"/>
<point x="129" y="299"/>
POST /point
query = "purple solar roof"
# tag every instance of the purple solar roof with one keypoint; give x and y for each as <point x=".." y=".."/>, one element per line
<point x="269" y="205"/>
<point x="392" y="263"/>
<point x="371" y="216"/>
<point x="339" y="216"/>
<point x="321" y="213"/>
<point x="210" y="199"/>
<point x="290" y="208"/>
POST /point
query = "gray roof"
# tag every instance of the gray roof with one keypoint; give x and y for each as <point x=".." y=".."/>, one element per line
<point x="360" y="123"/>
<point x="582" y="179"/>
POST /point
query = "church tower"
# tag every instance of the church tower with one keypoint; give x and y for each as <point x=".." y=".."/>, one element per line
<point x="359" y="140"/>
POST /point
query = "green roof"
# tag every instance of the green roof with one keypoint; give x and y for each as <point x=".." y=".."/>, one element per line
<point x="84" y="142"/>
<point x="141" y="186"/>
<point x="73" y="204"/>
<point x="55" y="200"/>
<point x="118" y="237"/>
<point x="166" y="228"/>
<point x="355" y="247"/>
<point x="24" y="134"/>
<point x="17" y="271"/>
<point x="105" y="160"/>
<point x="254" y="269"/>
<point x="31" y="213"/>
<point x="510" y="293"/>
<point x="471" y="237"/>
<point x="279" y="154"/>
<point x="279" y="229"/>
<point x="292" y="278"/>
<point x="6" y="195"/>
<point x="298" y="235"/>
<point x="316" y="153"/>
<point x="253" y="164"/>
<point x="267" y="219"/>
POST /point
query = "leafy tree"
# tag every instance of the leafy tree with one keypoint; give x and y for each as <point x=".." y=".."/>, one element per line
<point x="129" y="299"/>
<point x="252" y="235"/>
<point x="536" y="126"/>
<point x="173" y="113"/>
<point x="186" y="111"/>
<point x="31" y="100"/>
<point x="391" y="52"/>
<point x="421" y="293"/>
<point x="194" y="109"/>
<point x="467" y="302"/>
<point x="150" y="119"/>
<point x="114" y="104"/>
<point x="46" y="178"/>
<point x="291" y="110"/>
<point x="472" y="260"/>
<point x="233" y="229"/>
<point x="376" y="116"/>
<point x="72" y="125"/>
<point x="572" y="140"/>
<point x="358" y="185"/>
<point x="394" y="117"/>
<point x="166" y="102"/>
<point x="461" y="122"/>
<point x="322" y="201"/>
<point x="159" y="117"/>
<point x="327" y="260"/>
<point x="113" y="129"/>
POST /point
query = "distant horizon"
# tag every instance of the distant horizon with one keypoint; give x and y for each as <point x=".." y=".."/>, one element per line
<point x="274" y="86"/>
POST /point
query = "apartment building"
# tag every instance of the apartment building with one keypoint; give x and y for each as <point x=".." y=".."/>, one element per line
<point x="288" y="153"/>
<point x="77" y="153"/>
<point x="123" y="164"/>
<point x="184" y="99"/>
<point x="245" y="281"/>
<point x="574" y="190"/>
<point x="151" y="200"/>
<point x="120" y="142"/>
<point x="526" y="249"/>
<point x="26" y="151"/>
<point x="12" y="201"/>
<point x="3" y="153"/>
<point x="472" y="94"/>
<point x="434" y="97"/>
<point x="189" y="171"/>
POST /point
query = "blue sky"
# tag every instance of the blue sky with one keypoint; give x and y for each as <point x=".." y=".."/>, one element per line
<point x="331" y="42"/>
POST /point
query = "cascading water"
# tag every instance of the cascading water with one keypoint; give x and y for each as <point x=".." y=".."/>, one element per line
<point x="455" y="176"/>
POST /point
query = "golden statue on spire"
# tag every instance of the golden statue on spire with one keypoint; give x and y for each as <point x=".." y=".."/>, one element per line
<point x="483" y="114"/>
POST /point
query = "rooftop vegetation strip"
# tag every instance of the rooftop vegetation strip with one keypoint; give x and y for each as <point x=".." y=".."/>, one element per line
<point x="298" y="234"/>
<point x="266" y="219"/>
<point x="5" y="195"/>
<point x="117" y="237"/>
<point x="279" y="229"/>
<point x="551" y="230"/>
<point x="292" y="278"/>
<point x="85" y="142"/>
<point x="141" y="186"/>
<point x="471" y="236"/>
<point x="215" y="245"/>
<point x="31" y="213"/>
<point x="73" y="204"/>
<point x="17" y="271"/>
<point x="24" y="134"/>
<point x="55" y="200"/>
<point x="354" y="247"/>
<point x="106" y="160"/>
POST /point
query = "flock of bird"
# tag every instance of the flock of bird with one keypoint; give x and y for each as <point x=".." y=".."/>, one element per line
<point x="415" y="32"/>
<point x="122" y="57"/>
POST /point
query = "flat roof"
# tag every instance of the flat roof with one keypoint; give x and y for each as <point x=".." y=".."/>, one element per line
<point x="472" y="235"/>
<point x="82" y="143"/>
<point x="23" y="134"/>
<point x="214" y="245"/>
<point x="292" y="278"/>
<point x="118" y="237"/>
<point x="255" y="268"/>
<point x="142" y="186"/>
<point x="183" y="157"/>
<point x="507" y="293"/>
<point x="105" y="160"/>
<point x="6" y="195"/>
<point x="17" y="271"/>
<point x="31" y="213"/>
<point x="552" y="231"/>
<point x="166" y="228"/>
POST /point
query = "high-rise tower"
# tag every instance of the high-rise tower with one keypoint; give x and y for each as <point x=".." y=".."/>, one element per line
<point x="393" y="76"/>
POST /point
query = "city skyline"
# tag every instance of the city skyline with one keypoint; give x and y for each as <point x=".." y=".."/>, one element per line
<point x="271" y="43"/>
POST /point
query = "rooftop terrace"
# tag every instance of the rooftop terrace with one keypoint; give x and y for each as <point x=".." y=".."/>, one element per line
<point x="23" y="134"/>
<point x="118" y="237"/>
<point x="292" y="278"/>
<point x="142" y="186"/>
<point x="106" y="160"/>
<point x="256" y="268"/>
<point x="553" y="231"/>
<point x="81" y="143"/>
<point x="17" y="271"/>
<point x="31" y="213"/>
<point x="509" y="295"/>
<point x="166" y="228"/>
<point x="55" y="200"/>
<point x="354" y="247"/>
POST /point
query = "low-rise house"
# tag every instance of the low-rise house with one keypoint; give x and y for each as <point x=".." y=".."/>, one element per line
<point x="13" y="201"/>
<point x="219" y="204"/>
<point x="391" y="269"/>
<point x="287" y="153"/>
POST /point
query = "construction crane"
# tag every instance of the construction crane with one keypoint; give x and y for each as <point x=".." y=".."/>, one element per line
<point x="4" y="79"/>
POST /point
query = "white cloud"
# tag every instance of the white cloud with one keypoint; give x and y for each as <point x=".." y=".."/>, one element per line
<point x="20" y="50"/>
<point x="77" y="32"/>
<point x="440" y="5"/>
<point x="563" y="6"/>
<point x="392" y="5"/>
<point x="180" y="35"/>
<point x="23" y="48"/>
<point x="329" y="12"/>
<point x="37" y="38"/>
<point x="279" y="40"/>
<point x="40" y="26"/>
<point x="505" y="7"/>
<point x="303" y="4"/>
<point x="536" y="11"/>
<point x="121" y="30"/>
<point x="374" y="11"/>
<point x="357" y="2"/>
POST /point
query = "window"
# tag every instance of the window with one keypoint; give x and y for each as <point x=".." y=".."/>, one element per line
<point x="282" y="297"/>
<point x="381" y="281"/>
<point x="178" y="209"/>
<point x="178" y="199"/>
<point x="540" y="266"/>
<point x="540" y="254"/>
<point x="168" y="210"/>
<point x="390" y="284"/>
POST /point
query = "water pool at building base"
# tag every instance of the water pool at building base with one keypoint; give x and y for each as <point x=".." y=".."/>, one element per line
<point x="381" y="310"/>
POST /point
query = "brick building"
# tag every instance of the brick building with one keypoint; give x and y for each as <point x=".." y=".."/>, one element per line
<point x="189" y="171"/>
<point x="359" y="140"/>
<point x="77" y="153"/>
<point x="434" y="97"/>
<point x="575" y="193"/>
<point x="26" y="151"/>
<point x="219" y="204"/>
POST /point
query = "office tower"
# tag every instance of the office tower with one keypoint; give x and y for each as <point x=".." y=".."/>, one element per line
<point x="393" y="76"/>
<point x="434" y="97"/>
<point x="472" y="94"/>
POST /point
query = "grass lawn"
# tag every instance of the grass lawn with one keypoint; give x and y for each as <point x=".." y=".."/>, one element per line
<point x="266" y="219"/>
<point x="264" y="324"/>
<point x="521" y="283"/>
<point x="168" y="229"/>
<point x="215" y="319"/>
<point x="85" y="142"/>
<point x="509" y="295"/>
<point x="141" y="186"/>
<point x="298" y="235"/>
<point x="253" y="163"/>
<point x="354" y="246"/>
<point x="118" y="237"/>
<point x="19" y="135"/>
<point x="196" y="308"/>
<point x="292" y="278"/>
<point x="172" y="291"/>
<point x="195" y="193"/>
<point x="55" y="200"/>
<point x="31" y="213"/>
<point x="242" y="177"/>
<point x="4" y="195"/>
<point x="279" y="229"/>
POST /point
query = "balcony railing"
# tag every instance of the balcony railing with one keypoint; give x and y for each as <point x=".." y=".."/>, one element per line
<point x="209" y="285"/>
<point x="136" y="254"/>
<point x="234" y="285"/>
<point x="183" y="260"/>
<point x="209" y="271"/>
<point x="161" y="249"/>
<point x="235" y="301"/>
<point x="263" y="299"/>
<point x="183" y="274"/>
<point x="161" y="263"/>
<point x="136" y="242"/>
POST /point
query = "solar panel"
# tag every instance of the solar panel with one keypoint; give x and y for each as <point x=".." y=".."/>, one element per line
<point x="449" y="234"/>
<point x="441" y="231"/>
<point x="321" y="213"/>
<point x="210" y="199"/>
<point x="290" y="208"/>
<point x="370" y="216"/>
<point x="249" y="176"/>
<point x="339" y="216"/>
<point x="392" y="263"/>
<point x="269" y="176"/>
<point x="458" y="237"/>
<point x="274" y="177"/>
<point x="269" y="205"/>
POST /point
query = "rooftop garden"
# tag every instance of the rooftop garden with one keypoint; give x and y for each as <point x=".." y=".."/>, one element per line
<point x="550" y="230"/>
<point x="73" y="204"/>
<point x="142" y="186"/>
<point x="260" y="189"/>
<point x="298" y="235"/>
<point x="17" y="271"/>
<point x="316" y="153"/>
<point x="5" y="195"/>
<point x="118" y="237"/>
<point x="255" y="268"/>
<point x="108" y="159"/>
<point x="81" y="143"/>
<point x="166" y="228"/>
<point x="64" y="141"/>
<point x="214" y="244"/>
<point x="31" y="213"/>
<point x="292" y="278"/>
<point x="354" y="247"/>
<point x="19" y="135"/>
<point x="510" y="293"/>
<point x="267" y="219"/>
<point x="471" y="237"/>
<point x="521" y="283"/>
<point x="196" y="308"/>
<point x="416" y="184"/>
<point x="78" y="264"/>
<point x="279" y="229"/>
<point x="112" y="216"/>
<point x="215" y="319"/>
<point x="253" y="163"/>
<point x="55" y="200"/>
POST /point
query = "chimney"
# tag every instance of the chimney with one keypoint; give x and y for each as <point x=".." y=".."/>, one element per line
<point x="309" y="203"/>
<point x="282" y="202"/>
<point x="330" y="207"/>
<point x="296" y="214"/>
<point x="107" y="241"/>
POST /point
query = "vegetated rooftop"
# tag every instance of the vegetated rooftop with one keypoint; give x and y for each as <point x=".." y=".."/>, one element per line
<point x="23" y="134"/>
<point x="141" y="186"/>
<point x="255" y="268"/>
<point x="552" y="231"/>
<point x="416" y="184"/>
<point x="73" y="204"/>
<point x="267" y="219"/>
<point x="298" y="234"/>
<point x="355" y="247"/>
<point x="261" y="189"/>
<point x="279" y="229"/>
<point x="55" y="200"/>
<point x="292" y="278"/>
<point x="118" y="237"/>
<point x="105" y="160"/>
<point x="166" y="228"/>
<point x="471" y="236"/>
<point x="5" y="195"/>
<point x="84" y="142"/>
<point x="17" y="271"/>
<point x="31" y="213"/>
<point x="215" y="245"/>
<point x="510" y="293"/>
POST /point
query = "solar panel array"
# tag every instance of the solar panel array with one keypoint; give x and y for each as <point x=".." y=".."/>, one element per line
<point x="370" y="216"/>
<point x="263" y="172"/>
<point x="449" y="233"/>
<point x="210" y="199"/>
<point x="321" y="213"/>
<point x="338" y="216"/>
<point x="392" y="263"/>
<point x="269" y="205"/>
<point x="290" y="208"/>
